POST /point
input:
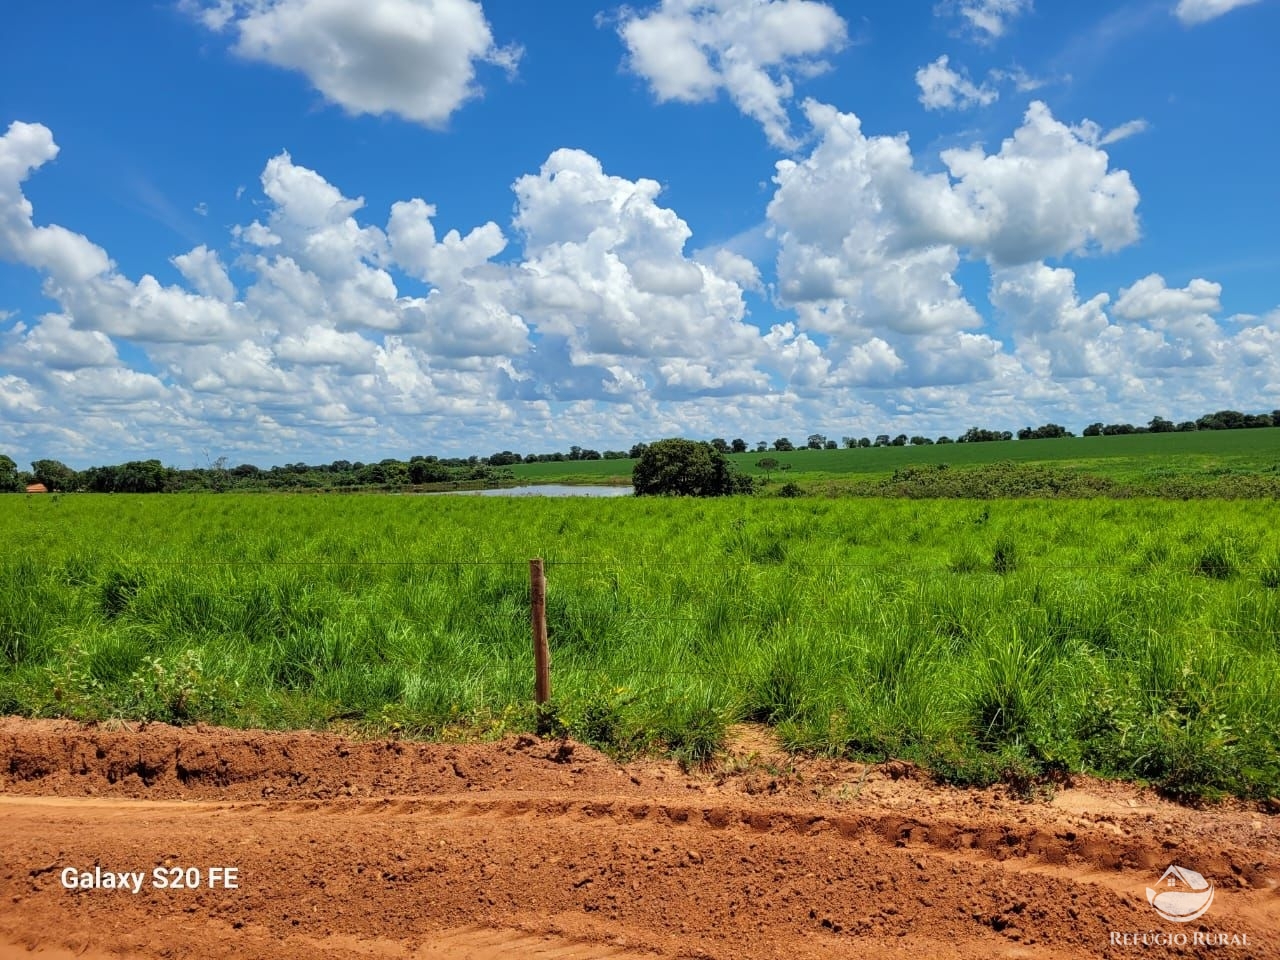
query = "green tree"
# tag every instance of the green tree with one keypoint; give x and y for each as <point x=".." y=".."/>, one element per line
<point x="686" y="468"/>
<point x="783" y="445"/>
<point x="740" y="446"/>
<point x="54" y="474"/>
<point x="141" y="476"/>
<point x="768" y="465"/>
<point x="1050" y="431"/>
<point x="10" y="482"/>
<point x="428" y="471"/>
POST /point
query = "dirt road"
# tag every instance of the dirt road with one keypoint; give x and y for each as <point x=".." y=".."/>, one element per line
<point x="301" y="845"/>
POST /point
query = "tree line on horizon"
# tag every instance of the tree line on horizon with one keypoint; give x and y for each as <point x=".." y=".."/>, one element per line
<point x="152" y="476"/>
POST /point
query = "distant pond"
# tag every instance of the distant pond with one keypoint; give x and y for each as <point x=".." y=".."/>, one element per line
<point x="545" y="490"/>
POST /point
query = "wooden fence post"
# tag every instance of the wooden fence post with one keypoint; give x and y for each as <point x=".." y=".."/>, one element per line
<point x="541" y="655"/>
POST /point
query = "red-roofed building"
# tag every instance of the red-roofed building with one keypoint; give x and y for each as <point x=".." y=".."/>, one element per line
<point x="37" y="488"/>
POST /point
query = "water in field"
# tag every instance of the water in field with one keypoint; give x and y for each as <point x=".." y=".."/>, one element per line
<point x="550" y="490"/>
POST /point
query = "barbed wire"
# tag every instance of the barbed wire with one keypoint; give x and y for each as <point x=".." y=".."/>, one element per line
<point x="886" y="567"/>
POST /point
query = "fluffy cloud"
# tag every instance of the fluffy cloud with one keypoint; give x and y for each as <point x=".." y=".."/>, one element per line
<point x="1183" y="316"/>
<point x="605" y="270"/>
<point x="1168" y="339"/>
<point x="321" y="345"/>
<point x="109" y="387"/>
<point x="53" y="343"/>
<point x="18" y="399"/>
<point x="203" y="269"/>
<point x="942" y="88"/>
<point x="320" y="334"/>
<point x="870" y="244"/>
<point x="1056" y="333"/>
<point x="80" y="275"/>
<point x="1192" y="12"/>
<point x="415" y="248"/>
<point x="414" y="58"/>
<point x="691" y="50"/>
<point x="65" y="256"/>
<point x="988" y="20"/>
<point x="306" y="346"/>
<point x="1151" y="298"/>
<point x="345" y="333"/>
<point x="1048" y="192"/>
<point x="852" y="241"/>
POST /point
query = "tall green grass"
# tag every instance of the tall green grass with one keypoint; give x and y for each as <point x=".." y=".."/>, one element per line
<point x="987" y="640"/>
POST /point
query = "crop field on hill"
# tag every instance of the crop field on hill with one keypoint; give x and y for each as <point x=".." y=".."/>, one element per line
<point x="1150" y="456"/>
<point x="986" y="640"/>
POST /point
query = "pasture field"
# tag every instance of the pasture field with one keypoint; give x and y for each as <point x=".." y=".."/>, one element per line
<point x="986" y="640"/>
<point x="1149" y="458"/>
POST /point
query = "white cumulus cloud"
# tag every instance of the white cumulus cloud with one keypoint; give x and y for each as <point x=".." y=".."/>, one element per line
<point x="413" y="58"/>
<point x="942" y="88"/>
<point x="869" y="244"/>
<point x="1151" y="298"/>
<point x="55" y="344"/>
<point x="1048" y="192"/>
<point x="605" y="271"/>
<point x="691" y="50"/>
<point x="590" y="318"/>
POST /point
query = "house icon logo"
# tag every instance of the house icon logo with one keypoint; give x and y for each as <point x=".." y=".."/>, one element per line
<point x="1182" y="895"/>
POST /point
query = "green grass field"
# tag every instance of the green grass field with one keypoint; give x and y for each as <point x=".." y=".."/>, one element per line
<point x="987" y="640"/>
<point x="1132" y="457"/>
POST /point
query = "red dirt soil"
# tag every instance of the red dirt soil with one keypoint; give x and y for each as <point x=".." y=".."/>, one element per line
<point x="547" y="849"/>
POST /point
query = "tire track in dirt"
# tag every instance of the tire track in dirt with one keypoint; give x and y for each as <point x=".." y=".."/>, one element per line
<point x="1093" y="857"/>
<point x="525" y="848"/>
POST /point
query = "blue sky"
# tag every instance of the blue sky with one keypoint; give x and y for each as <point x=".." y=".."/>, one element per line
<point x="225" y="225"/>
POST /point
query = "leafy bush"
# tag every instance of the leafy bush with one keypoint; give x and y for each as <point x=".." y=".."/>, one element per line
<point x="175" y="690"/>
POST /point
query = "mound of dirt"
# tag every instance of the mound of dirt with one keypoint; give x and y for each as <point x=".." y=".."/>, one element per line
<point x="534" y="848"/>
<point x="157" y="761"/>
